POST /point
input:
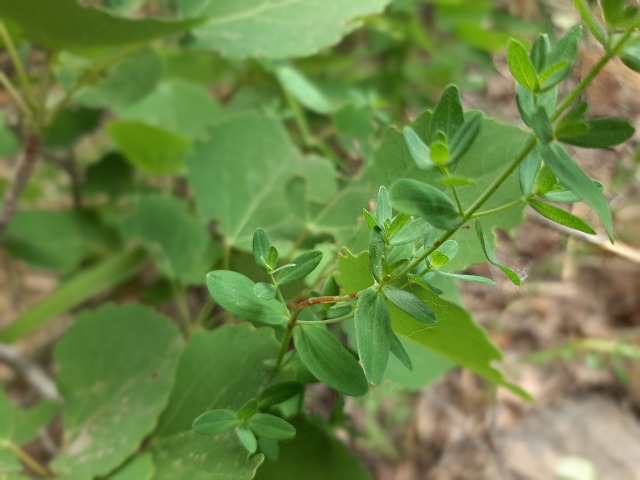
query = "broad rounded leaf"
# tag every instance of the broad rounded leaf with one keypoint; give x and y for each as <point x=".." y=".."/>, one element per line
<point x="373" y="334"/>
<point x="270" y="426"/>
<point x="328" y="360"/>
<point x="215" y="421"/>
<point x="235" y="292"/>
<point x="417" y="198"/>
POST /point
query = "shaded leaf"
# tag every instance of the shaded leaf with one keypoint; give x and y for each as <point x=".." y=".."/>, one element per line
<point x="561" y="216"/>
<point x="270" y="426"/>
<point x="305" y="263"/>
<point x="410" y="304"/>
<point x="600" y="133"/>
<point x="215" y="421"/>
<point x="378" y="255"/>
<point x="279" y="393"/>
<point x="373" y="334"/>
<point x="488" y="252"/>
<point x="416" y="198"/>
<point x="417" y="148"/>
<point x="448" y="115"/>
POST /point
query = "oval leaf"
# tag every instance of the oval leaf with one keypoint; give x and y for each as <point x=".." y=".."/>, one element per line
<point x="417" y="198"/>
<point x="561" y="216"/>
<point x="304" y="264"/>
<point x="215" y="421"/>
<point x="383" y="206"/>
<point x="410" y="304"/>
<point x="270" y="426"/>
<point x="261" y="248"/>
<point x="265" y="291"/>
<point x="601" y="133"/>
<point x="328" y="360"/>
<point x="399" y="352"/>
<point x="279" y="393"/>
<point x="373" y="334"/>
<point x="248" y="439"/>
<point x="521" y="66"/>
<point x="235" y="292"/>
<point x="377" y="255"/>
<point x="448" y="115"/>
<point x="467" y="278"/>
<point x="417" y="148"/>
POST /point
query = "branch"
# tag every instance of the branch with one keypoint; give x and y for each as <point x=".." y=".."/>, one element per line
<point x="21" y="176"/>
<point x="32" y="373"/>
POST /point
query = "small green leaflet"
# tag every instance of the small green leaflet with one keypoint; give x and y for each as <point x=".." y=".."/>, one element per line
<point x="328" y="360"/>
<point x="600" y="133"/>
<point x="247" y="438"/>
<point x="383" y="206"/>
<point x="270" y="426"/>
<point x="561" y="216"/>
<point x="302" y="89"/>
<point x="578" y="182"/>
<point x="466" y="278"/>
<point x="521" y="66"/>
<point x="399" y="351"/>
<point x="444" y="254"/>
<point x="411" y="231"/>
<point x="410" y="304"/>
<point x="416" y="198"/>
<point x="248" y="410"/>
<point x="265" y="291"/>
<point x="378" y="255"/>
<point x="261" y="248"/>
<point x="215" y="421"/>
<point x="279" y="393"/>
<point x="528" y="171"/>
<point x="464" y="136"/>
<point x="486" y="248"/>
<point x="304" y="264"/>
<point x="235" y="292"/>
<point x="420" y="152"/>
<point x="448" y="115"/>
<point x="373" y="334"/>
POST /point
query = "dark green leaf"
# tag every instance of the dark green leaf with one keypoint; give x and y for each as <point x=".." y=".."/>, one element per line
<point x="601" y="133"/>
<point x="567" y="196"/>
<point x="410" y="304"/>
<point x="378" y="255"/>
<point x="448" y="115"/>
<point x="528" y="105"/>
<point x="399" y="352"/>
<point x="467" y="278"/>
<point x="630" y="55"/>
<point x="373" y="334"/>
<point x="578" y="182"/>
<point x="248" y="410"/>
<point x="528" y="171"/>
<point x="417" y="198"/>
<point x="235" y="292"/>
<point x="464" y="136"/>
<point x="564" y="51"/>
<point x="521" y="66"/>
<point x="269" y="447"/>
<point x="418" y="150"/>
<point x="69" y="125"/>
<point x="561" y="216"/>
<point x="215" y="421"/>
<point x="539" y="51"/>
<point x="261" y="248"/>
<point x="383" y="206"/>
<point x="65" y="25"/>
<point x="247" y="438"/>
<point x="270" y="426"/>
<point x="541" y="125"/>
<point x="279" y="393"/>
<point x="305" y="263"/>
<point x="617" y="14"/>
<point x="328" y="360"/>
<point x="411" y="231"/>
<point x="545" y="180"/>
<point x="486" y="248"/>
<point x="265" y="291"/>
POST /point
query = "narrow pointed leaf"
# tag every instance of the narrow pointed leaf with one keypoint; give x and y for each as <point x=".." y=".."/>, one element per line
<point x="578" y="182"/>
<point x="370" y="219"/>
<point x="601" y="133"/>
<point x="417" y="198"/>
<point x="377" y="255"/>
<point x="279" y="393"/>
<point x="235" y="292"/>
<point x="486" y="248"/>
<point x="248" y="410"/>
<point x="270" y="426"/>
<point x="552" y="75"/>
<point x="410" y="304"/>
<point x="567" y="196"/>
<point x="383" y="206"/>
<point x="413" y="230"/>
<point x="467" y="278"/>
<point x="215" y="421"/>
<point x="588" y="18"/>
<point x="261" y="247"/>
<point x="521" y="66"/>
<point x="541" y="125"/>
<point x="545" y="180"/>
<point x="539" y="51"/>
<point x="564" y="50"/>
<point x="328" y="360"/>
<point x="464" y="136"/>
<point x="448" y="115"/>
<point x="304" y="264"/>
<point x="248" y="439"/>
<point x="399" y="352"/>
<point x="528" y="171"/>
<point x="561" y="216"/>
<point x="373" y="334"/>
<point x="418" y="150"/>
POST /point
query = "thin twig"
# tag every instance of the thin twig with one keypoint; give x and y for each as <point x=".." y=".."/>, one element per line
<point x="32" y="373"/>
<point x="21" y="176"/>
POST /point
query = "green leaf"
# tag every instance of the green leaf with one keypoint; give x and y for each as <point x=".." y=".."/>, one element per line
<point x="618" y="15"/>
<point x="106" y="376"/>
<point x="277" y="30"/>
<point x="630" y="54"/>
<point x="152" y="149"/>
<point x="383" y="206"/>
<point x="378" y="255"/>
<point x="564" y="52"/>
<point x="280" y="392"/>
<point x="578" y="182"/>
<point x="270" y="426"/>
<point x="411" y="231"/>
<point x="488" y="252"/>
<point x="370" y="219"/>
<point x="248" y="410"/>
<point x="562" y="195"/>
<point x="216" y="421"/>
<point x="521" y="66"/>
<point x="528" y="172"/>
<point x="444" y="254"/>
<point x="202" y="384"/>
<point x="545" y="180"/>
<point x="539" y="51"/>
<point x="416" y="198"/>
<point x="247" y="438"/>
<point x="111" y="176"/>
<point x="235" y="292"/>
<point x="410" y="304"/>
<point x="439" y="153"/>
<point x="398" y="350"/>
<point x="314" y="453"/>
<point x="175" y="238"/>
<point x="588" y="18"/>
<point x="328" y="360"/>
<point x="456" y="181"/>
<point x="269" y="447"/>
<point x="261" y="248"/>
<point x="417" y="148"/>
<point x="302" y="89"/>
<point x="179" y="107"/>
<point x="601" y="133"/>
<point x="305" y="263"/>
<point x="541" y="125"/>
<point x="65" y="25"/>
<point x="528" y="105"/>
<point x="561" y="216"/>
<point x="140" y="467"/>
<point x="272" y="258"/>
<point x="552" y="75"/>
<point x="69" y="125"/>
<point x="465" y="135"/>
<point x="265" y="291"/>
<point x="19" y="426"/>
<point x="373" y="334"/>
<point x="9" y="144"/>
<point x="467" y="278"/>
<point x="448" y="115"/>
<point x="428" y="366"/>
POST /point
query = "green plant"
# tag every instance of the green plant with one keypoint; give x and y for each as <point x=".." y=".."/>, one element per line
<point x="215" y="398"/>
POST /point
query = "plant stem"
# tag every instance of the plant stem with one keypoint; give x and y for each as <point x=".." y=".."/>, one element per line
<point x="182" y="306"/>
<point x="284" y="346"/>
<point x="21" y="176"/>
<point x="16" y="97"/>
<point x="27" y="459"/>
<point x="15" y="58"/>
<point x="327" y="321"/>
<point x="446" y="172"/>
<point x="500" y="208"/>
